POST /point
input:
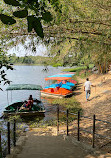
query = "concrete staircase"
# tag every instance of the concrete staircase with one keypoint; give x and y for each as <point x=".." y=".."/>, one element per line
<point x="44" y="143"/>
<point x="49" y="147"/>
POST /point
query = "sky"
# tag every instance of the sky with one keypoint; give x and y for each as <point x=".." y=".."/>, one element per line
<point x="19" y="50"/>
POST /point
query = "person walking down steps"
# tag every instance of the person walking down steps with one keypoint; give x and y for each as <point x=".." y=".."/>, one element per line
<point x="87" y="88"/>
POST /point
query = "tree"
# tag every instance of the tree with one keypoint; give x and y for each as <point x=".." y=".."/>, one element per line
<point x="28" y="60"/>
<point x="19" y="13"/>
<point x="86" y="22"/>
<point x="4" y="65"/>
<point x="33" y="11"/>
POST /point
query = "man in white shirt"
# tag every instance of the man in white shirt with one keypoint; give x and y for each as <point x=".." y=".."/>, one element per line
<point x="87" y="88"/>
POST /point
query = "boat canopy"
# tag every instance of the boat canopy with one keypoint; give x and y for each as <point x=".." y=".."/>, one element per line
<point x="62" y="75"/>
<point x="67" y="73"/>
<point x="66" y="86"/>
<point x="24" y="87"/>
<point x="57" y="78"/>
<point x="54" y="85"/>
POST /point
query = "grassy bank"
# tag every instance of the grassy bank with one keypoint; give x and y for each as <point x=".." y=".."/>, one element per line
<point x="68" y="103"/>
<point x="79" y="68"/>
<point x="80" y="71"/>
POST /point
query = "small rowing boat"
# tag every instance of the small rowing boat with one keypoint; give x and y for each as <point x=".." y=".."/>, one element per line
<point x="15" y="108"/>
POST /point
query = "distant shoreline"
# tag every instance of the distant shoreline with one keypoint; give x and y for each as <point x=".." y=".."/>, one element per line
<point x="29" y="64"/>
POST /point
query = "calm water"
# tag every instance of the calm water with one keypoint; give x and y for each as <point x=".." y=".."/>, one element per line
<point x="25" y="75"/>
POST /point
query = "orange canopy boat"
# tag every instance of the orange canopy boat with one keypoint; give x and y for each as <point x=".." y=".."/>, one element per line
<point x="57" y="92"/>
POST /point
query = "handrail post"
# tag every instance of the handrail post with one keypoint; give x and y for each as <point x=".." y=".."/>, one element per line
<point x="0" y="146"/>
<point x="78" y="131"/>
<point x="57" y="119"/>
<point x="8" y="128"/>
<point x="67" y="122"/>
<point x="14" y="133"/>
<point x="93" y="137"/>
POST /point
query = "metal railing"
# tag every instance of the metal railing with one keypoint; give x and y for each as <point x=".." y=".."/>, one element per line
<point x="9" y="138"/>
<point x="79" y="118"/>
<point x="67" y="113"/>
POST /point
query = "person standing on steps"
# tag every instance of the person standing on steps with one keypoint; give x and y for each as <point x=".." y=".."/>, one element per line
<point x="87" y="88"/>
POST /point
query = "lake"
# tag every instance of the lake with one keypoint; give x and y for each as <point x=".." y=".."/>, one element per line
<point x="25" y="75"/>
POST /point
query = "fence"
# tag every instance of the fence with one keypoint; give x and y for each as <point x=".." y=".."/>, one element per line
<point x="79" y="129"/>
<point x="67" y="113"/>
<point x="9" y="138"/>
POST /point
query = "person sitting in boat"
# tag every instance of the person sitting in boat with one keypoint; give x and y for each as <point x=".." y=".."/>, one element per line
<point x="30" y="102"/>
<point x="24" y="106"/>
<point x="64" y="81"/>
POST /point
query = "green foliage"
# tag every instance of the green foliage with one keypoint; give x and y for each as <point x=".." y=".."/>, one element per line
<point x="78" y="34"/>
<point x="75" y="69"/>
<point x="84" y="74"/>
<point x="37" y="11"/>
<point x="34" y="60"/>
<point x="12" y="118"/>
<point x="42" y="123"/>
<point x="4" y="65"/>
<point x="26" y="60"/>
<point x="21" y="13"/>
<point x="35" y="23"/>
<point x="30" y="20"/>
<point x="7" y="19"/>
<point x="79" y="68"/>
<point x="81" y="71"/>
<point x="57" y="64"/>
<point x="47" y="16"/>
<point x="84" y="32"/>
<point x="38" y="27"/>
<point x="12" y="2"/>
<point x="69" y="103"/>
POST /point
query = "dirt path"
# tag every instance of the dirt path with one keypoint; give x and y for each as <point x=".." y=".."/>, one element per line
<point x="100" y="99"/>
<point x="100" y="105"/>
